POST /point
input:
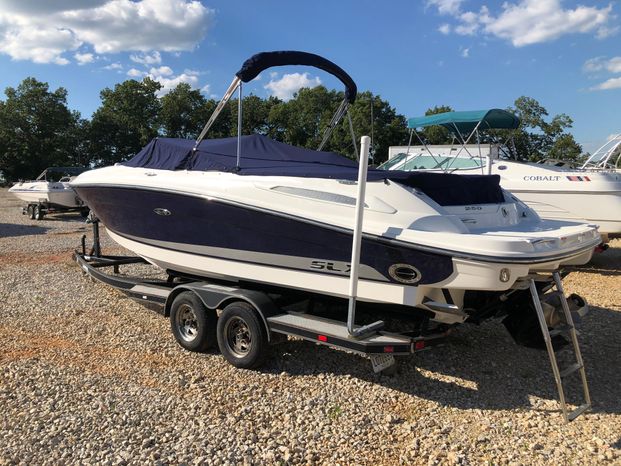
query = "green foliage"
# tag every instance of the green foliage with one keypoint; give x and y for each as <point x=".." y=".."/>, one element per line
<point x="183" y="112"/>
<point x="302" y="120"/>
<point x="374" y="117"/>
<point x="537" y="139"/>
<point x="125" y="122"/>
<point x="437" y="134"/>
<point x="37" y="130"/>
<point x="565" y="147"/>
<point x="255" y="114"/>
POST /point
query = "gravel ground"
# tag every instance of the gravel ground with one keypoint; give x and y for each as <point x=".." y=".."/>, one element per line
<point x="89" y="376"/>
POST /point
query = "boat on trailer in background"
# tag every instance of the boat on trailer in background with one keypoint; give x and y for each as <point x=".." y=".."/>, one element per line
<point x="591" y="193"/>
<point x="247" y="229"/>
<point x="50" y="193"/>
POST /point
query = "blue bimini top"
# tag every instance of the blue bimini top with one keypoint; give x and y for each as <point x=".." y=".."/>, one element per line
<point x="262" y="156"/>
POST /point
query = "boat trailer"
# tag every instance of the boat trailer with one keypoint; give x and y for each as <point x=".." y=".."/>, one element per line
<point x="242" y="321"/>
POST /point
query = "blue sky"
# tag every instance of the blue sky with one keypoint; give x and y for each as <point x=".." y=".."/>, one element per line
<point x="464" y="53"/>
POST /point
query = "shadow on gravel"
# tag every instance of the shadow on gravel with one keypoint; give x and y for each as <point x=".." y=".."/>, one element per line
<point x="606" y="263"/>
<point x="479" y="367"/>
<point x="11" y="229"/>
<point x="65" y="217"/>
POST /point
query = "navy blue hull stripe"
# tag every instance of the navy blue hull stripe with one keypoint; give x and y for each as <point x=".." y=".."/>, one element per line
<point x="197" y="221"/>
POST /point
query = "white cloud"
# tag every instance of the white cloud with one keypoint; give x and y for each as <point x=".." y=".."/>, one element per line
<point x="534" y="21"/>
<point x="465" y="52"/>
<point x="612" y="65"/>
<point x="113" y="66"/>
<point x="612" y="83"/>
<point x="289" y="84"/>
<point x="169" y="83"/>
<point x="161" y="71"/>
<point x="84" y="58"/>
<point x="446" y="7"/>
<point x="33" y="7"/>
<point x="603" y="65"/>
<point x="445" y="28"/>
<point x="43" y="31"/>
<point x="134" y="73"/>
<point x="469" y="24"/>
<point x="605" y="31"/>
<point x="527" y="22"/>
<point x="166" y="77"/>
<point x="39" y="45"/>
<point x="147" y="59"/>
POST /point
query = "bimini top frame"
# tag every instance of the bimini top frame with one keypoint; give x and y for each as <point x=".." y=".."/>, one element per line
<point x="464" y="125"/>
<point x="262" y="61"/>
<point x="606" y="157"/>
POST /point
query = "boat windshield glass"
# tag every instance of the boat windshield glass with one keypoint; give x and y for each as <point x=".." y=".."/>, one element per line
<point x="393" y="162"/>
<point x="427" y="162"/>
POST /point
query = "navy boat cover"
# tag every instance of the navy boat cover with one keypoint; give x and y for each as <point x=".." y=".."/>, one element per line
<point x="262" y="156"/>
<point x="264" y="60"/>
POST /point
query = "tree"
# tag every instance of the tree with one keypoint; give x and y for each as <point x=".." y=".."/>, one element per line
<point x="565" y="147"/>
<point x="437" y="134"/>
<point x="126" y="120"/>
<point x="374" y="117"/>
<point x="537" y="139"/>
<point x="37" y="130"/>
<point x="255" y="114"/>
<point x="183" y="112"/>
<point x="302" y="120"/>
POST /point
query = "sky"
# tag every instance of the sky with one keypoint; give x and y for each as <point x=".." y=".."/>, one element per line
<point x="467" y="54"/>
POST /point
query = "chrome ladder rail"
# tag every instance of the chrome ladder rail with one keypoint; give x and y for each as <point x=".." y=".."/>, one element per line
<point x="570" y="328"/>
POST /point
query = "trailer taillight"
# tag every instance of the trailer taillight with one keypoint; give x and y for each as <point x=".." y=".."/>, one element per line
<point x="419" y="345"/>
<point x="389" y="349"/>
<point x="322" y="338"/>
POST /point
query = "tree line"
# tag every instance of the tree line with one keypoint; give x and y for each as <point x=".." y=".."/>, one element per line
<point x="38" y="130"/>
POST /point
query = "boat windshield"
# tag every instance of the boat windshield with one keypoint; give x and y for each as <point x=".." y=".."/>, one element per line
<point x="427" y="162"/>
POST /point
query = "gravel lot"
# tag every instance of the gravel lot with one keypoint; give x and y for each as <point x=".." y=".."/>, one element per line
<point x="88" y="376"/>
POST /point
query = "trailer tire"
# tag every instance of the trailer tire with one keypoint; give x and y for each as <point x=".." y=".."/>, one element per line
<point x="38" y="212"/>
<point x="30" y="210"/>
<point x="192" y="323"/>
<point x="84" y="212"/>
<point x="242" y="337"/>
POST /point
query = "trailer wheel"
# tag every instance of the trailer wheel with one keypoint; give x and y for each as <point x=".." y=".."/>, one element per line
<point x="193" y="324"/>
<point x="37" y="212"/>
<point x="30" y="210"/>
<point x="242" y="338"/>
<point x="84" y="212"/>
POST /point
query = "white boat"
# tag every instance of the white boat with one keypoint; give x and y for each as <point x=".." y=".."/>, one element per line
<point x="49" y="192"/>
<point x="253" y="210"/>
<point x="591" y="193"/>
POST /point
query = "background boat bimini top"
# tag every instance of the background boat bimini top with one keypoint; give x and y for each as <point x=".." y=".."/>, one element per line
<point x="467" y="121"/>
<point x="262" y="156"/>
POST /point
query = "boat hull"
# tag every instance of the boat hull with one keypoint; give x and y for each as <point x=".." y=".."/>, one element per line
<point x="50" y="194"/>
<point x="202" y="236"/>
<point x="202" y="227"/>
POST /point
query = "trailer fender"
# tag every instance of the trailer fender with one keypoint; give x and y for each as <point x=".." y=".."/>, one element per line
<point x="217" y="297"/>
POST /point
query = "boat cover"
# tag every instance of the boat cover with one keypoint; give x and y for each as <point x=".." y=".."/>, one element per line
<point x="465" y="122"/>
<point x="264" y="60"/>
<point x="262" y="156"/>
